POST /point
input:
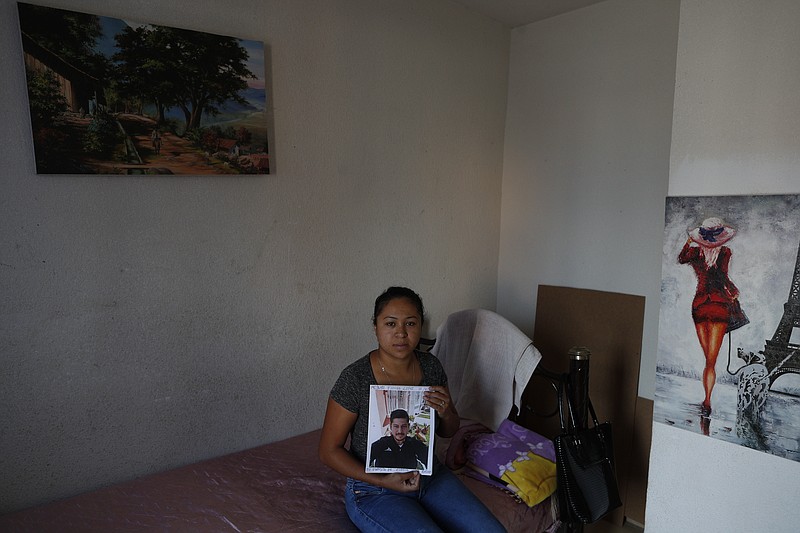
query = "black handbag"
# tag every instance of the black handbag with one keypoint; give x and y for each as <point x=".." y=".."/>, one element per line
<point x="737" y="316"/>
<point x="587" y="484"/>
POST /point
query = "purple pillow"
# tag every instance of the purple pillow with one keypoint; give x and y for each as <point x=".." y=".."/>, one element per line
<point x="536" y="443"/>
<point x="506" y="457"/>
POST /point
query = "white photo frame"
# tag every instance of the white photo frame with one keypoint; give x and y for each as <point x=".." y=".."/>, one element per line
<point x="392" y="447"/>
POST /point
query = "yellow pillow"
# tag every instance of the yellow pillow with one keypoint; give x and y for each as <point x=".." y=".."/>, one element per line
<point x="533" y="476"/>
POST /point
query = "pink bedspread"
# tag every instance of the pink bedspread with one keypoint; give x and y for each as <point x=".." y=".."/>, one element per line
<point x="272" y="488"/>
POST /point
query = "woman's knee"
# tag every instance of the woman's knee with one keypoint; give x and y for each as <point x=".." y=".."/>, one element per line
<point x="377" y="510"/>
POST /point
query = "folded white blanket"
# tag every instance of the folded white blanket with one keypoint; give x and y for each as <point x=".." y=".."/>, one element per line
<point x="488" y="361"/>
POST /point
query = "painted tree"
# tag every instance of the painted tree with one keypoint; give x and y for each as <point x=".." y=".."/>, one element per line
<point x="194" y="71"/>
<point x="68" y="34"/>
<point x="209" y="71"/>
<point x="143" y="73"/>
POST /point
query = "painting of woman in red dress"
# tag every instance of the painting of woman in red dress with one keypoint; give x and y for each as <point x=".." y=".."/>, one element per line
<point x="715" y="307"/>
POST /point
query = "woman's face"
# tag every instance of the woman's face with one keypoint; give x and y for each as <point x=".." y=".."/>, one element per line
<point x="398" y="328"/>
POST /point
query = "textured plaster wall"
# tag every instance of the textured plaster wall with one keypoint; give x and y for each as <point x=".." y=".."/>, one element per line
<point x="148" y="322"/>
<point x="587" y="158"/>
<point x="734" y="132"/>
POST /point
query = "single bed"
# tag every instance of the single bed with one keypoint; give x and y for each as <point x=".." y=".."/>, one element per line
<point x="273" y="488"/>
<point x="277" y="487"/>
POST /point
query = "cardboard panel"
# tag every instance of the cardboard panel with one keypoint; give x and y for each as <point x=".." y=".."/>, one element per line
<point x="636" y="495"/>
<point x="610" y="326"/>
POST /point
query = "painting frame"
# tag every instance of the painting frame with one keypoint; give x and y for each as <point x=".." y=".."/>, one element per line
<point x="755" y="378"/>
<point x="114" y="96"/>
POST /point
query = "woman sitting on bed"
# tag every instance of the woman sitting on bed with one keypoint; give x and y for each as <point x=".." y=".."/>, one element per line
<point x="397" y="501"/>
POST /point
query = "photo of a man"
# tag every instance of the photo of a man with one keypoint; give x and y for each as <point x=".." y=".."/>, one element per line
<point x="401" y="430"/>
<point x="399" y="450"/>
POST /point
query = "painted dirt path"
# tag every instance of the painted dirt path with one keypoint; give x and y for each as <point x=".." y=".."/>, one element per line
<point x="177" y="155"/>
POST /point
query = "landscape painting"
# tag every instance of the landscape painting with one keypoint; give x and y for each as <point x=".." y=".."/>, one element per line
<point x="118" y="97"/>
<point x="729" y="329"/>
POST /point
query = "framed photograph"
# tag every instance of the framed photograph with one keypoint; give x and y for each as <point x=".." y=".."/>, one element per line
<point x="114" y="96"/>
<point x="401" y="430"/>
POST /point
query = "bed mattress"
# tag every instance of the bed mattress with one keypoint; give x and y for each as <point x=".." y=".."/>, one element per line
<point x="276" y="487"/>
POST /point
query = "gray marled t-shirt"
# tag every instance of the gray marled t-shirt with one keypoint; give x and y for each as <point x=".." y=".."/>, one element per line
<point x="351" y="391"/>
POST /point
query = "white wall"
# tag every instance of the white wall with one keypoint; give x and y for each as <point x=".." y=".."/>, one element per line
<point x="736" y="108"/>
<point x="587" y="158"/>
<point x="147" y="322"/>
<point x="734" y="132"/>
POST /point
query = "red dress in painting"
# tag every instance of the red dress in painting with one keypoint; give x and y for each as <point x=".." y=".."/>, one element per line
<point x="715" y="292"/>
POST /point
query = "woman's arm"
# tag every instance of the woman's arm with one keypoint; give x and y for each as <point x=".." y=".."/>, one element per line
<point x="338" y="423"/>
<point x="731" y="290"/>
<point x="687" y="252"/>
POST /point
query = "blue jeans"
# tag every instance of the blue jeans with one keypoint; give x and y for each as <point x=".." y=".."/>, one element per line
<point x="443" y="503"/>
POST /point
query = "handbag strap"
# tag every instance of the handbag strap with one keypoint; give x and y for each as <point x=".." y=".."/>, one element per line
<point x="591" y="411"/>
<point x="560" y="394"/>
<point x="568" y="426"/>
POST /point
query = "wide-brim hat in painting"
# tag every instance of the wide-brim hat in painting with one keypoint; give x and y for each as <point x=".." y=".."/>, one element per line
<point x="712" y="232"/>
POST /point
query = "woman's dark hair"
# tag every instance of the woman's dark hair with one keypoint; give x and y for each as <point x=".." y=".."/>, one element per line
<point x="398" y="292"/>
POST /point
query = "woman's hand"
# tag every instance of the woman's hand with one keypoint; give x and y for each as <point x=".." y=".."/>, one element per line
<point x="439" y="399"/>
<point x="335" y="430"/>
<point x="403" y="482"/>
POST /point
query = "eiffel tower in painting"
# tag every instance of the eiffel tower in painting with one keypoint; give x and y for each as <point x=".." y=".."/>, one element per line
<point x="780" y="353"/>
